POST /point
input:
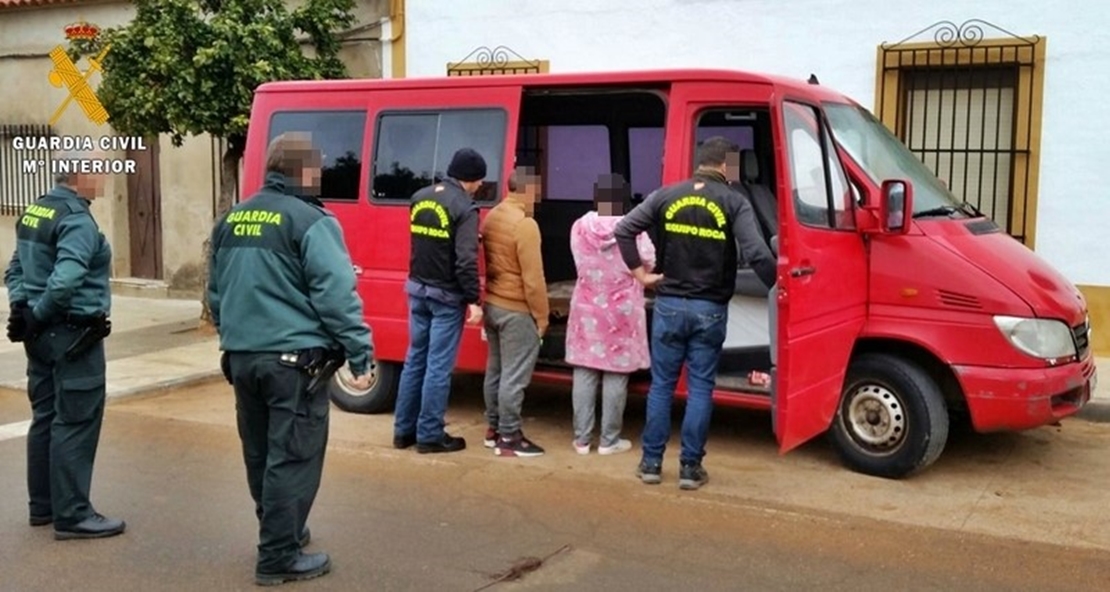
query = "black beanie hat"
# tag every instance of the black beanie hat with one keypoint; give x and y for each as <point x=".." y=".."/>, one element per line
<point x="467" y="165"/>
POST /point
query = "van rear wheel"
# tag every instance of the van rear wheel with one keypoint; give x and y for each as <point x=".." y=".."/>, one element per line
<point x="892" y="420"/>
<point x="378" y="398"/>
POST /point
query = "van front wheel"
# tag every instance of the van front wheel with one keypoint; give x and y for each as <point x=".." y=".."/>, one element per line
<point x="378" y="398"/>
<point x="892" y="420"/>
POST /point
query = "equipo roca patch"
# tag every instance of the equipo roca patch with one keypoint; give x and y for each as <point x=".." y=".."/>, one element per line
<point x="695" y="229"/>
<point x="441" y="218"/>
<point x="250" y="222"/>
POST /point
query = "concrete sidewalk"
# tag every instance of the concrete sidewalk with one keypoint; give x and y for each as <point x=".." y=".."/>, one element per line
<point x="155" y="344"/>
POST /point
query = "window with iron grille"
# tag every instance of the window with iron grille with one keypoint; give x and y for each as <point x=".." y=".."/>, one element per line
<point x="970" y="109"/>
<point x="22" y="178"/>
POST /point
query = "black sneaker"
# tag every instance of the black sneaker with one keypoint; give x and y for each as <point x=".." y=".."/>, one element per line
<point x="449" y="443"/>
<point x="403" y="442"/>
<point x="516" y="446"/>
<point x="650" y="473"/>
<point x="692" y="476"/>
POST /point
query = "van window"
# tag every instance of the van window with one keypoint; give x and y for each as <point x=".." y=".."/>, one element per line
<point x="576" y="156"/>
<point x="645" y="149"/>
<point x="412" y="150"/>
<point x="822" y="195"/>
<point x="338" y="135"/>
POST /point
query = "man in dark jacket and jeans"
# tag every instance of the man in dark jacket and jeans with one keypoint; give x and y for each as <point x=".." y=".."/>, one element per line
<point x="697" y="225"/>
<point x="442" y="284"/>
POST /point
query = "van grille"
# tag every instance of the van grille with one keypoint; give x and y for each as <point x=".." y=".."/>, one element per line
<point x="958" y="300"/>
<point x="1082" y="334"/>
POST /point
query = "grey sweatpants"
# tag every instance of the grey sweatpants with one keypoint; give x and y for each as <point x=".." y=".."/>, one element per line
<point x="614" y="393"/>
<point x="514" y="345"/>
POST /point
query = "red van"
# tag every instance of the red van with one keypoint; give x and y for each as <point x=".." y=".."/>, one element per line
<point x="899" y="306"/>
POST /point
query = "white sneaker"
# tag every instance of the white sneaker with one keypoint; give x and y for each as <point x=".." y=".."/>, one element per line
<point x="622" y="445"/>
<point x="582" y="449"/>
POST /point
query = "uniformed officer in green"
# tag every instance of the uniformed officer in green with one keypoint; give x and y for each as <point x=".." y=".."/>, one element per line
<point x="282" y="295"/>
<point x="60" y="300"/>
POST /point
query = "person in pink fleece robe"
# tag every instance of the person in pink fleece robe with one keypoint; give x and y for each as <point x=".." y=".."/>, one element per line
<point x="607" y="326"/>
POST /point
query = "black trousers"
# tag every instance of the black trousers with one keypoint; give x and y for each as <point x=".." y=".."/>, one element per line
<point x="67" y="407"/>
<point x="284" y="432"/>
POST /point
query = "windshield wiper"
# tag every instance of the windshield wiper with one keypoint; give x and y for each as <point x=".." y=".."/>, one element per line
<point x="939" y="211"/>
<point x="971" y="210"/>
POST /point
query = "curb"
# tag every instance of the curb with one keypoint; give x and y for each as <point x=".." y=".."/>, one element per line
<point x="1096" y="410"/>
<point x="164" y="385"/>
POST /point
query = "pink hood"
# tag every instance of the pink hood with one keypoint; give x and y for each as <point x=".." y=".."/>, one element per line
<point x="596" y="232"/>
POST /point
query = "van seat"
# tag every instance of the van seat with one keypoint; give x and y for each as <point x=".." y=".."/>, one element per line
<point x="762" y="199"/>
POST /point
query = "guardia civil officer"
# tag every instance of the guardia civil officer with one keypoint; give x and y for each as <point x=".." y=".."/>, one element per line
<point x="696" y="226"/>
<point x="60" y="300"/>
<point x="442" y="285"/>
<point x="282" y="295"/>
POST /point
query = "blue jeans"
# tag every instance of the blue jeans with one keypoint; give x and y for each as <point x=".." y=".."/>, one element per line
<point x="691" y="332"/>
<point x="435" y="329"/>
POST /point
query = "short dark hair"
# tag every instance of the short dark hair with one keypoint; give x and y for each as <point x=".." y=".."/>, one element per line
<point x="612" y="188"/>
<point x="714" y="151"/>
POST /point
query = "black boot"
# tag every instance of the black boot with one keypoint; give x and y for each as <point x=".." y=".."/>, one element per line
<point x="305" y="567"/>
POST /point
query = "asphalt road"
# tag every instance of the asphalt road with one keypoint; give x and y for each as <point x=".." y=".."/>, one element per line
<point x="397" y="520"/>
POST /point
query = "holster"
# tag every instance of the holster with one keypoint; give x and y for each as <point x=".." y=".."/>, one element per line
<point x="319" y="363"/>
<point x="93" y="329"/>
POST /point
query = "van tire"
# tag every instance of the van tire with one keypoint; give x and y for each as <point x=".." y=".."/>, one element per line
<point x="892" y="420"/>
<point x="380" y="397"/>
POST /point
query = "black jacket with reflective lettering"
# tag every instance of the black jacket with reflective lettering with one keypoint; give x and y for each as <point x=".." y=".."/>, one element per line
<point x="444" y="229"/>
<point x="697" y="227"/>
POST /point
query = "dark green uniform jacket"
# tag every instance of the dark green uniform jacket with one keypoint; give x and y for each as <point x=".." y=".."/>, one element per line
<point x="280" y="279"/>
<point x="62" y="262"/>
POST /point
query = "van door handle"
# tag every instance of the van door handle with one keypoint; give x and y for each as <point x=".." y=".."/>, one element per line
<point x="800" y="271"/>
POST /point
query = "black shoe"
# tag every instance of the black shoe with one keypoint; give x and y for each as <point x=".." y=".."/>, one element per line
<point x="403" y="442"/>
<point x="305" y="567"/>
<point x="650" y="472"/>
<point x="692" y="476"/>
<point x="93" y="527"/>
<point x="449" y="443"/>
<point x="41" y="520"/>
<point x="306" y="537"/>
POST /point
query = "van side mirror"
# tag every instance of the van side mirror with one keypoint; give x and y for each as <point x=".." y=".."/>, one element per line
<point x="896" y="207"/>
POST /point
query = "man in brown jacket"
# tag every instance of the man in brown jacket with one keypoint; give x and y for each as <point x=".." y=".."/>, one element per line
<point x="515" y="313"/>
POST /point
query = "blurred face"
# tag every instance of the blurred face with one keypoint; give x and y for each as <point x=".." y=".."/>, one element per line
<point x="732" y="166"/>
<point x="310" y="179"/>
<point x="531" y="191"/>
<point x="90" y="186"/>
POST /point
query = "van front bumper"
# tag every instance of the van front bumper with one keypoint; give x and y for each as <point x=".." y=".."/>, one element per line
<point x="1006" y="399"/>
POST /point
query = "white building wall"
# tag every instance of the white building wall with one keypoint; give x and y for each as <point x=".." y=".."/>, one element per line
<point x="837" y="40"/>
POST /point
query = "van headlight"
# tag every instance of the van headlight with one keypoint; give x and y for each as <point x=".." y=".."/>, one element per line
<point x="1040" y="338"/>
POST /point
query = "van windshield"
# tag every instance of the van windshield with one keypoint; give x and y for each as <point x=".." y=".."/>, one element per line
<point x="883" y="156"/>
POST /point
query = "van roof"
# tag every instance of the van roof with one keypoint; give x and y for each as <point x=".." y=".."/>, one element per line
<point x="648" y="77"/>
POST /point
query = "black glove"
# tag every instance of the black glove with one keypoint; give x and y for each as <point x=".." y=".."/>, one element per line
<point x="33" y="325"/>
<point x="225" y="366"/>
<point x="17" y="327"/>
